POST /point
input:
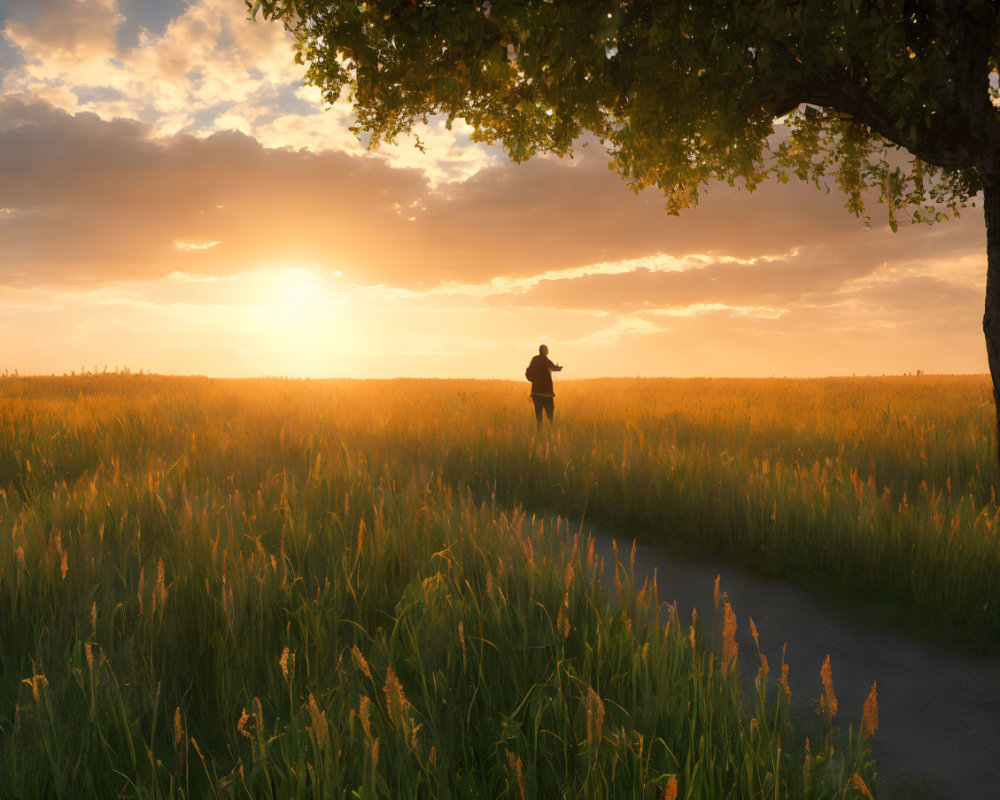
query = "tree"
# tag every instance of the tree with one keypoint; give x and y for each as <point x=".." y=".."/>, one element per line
<point x="893" y="100"/>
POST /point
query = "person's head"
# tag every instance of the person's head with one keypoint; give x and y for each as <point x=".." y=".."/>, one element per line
<point x="543" y="349"/>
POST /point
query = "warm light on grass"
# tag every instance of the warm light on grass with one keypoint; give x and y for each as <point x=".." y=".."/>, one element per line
<point x="302" y="589"/>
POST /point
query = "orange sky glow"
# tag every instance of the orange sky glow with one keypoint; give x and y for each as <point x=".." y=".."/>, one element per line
<point x="173" y="199"/>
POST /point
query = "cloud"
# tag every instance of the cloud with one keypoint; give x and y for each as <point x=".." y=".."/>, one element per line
<point x="88" y="199"/>
<point x="550" y="214"/>
<point x="96" y="200"/>
<point x="207" y="69"/>
<point x="810" y="277"/>
<point x="732" y="283"/>
<point x="73" y="36"/>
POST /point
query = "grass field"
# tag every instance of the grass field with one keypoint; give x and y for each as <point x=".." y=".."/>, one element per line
<point x="302" y="589"/>
<point x="879" y="492"/>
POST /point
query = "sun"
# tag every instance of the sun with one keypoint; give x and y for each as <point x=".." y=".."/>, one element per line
<point x="299" y="296"/>
<point x="298" y="321"/>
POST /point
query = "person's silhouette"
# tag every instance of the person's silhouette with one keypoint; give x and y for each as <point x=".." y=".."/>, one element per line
<point x="539" y="372"/>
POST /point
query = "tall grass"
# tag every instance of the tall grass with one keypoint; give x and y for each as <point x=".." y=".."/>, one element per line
<point x="275" y="589"/>
<point x="880" y="492"/>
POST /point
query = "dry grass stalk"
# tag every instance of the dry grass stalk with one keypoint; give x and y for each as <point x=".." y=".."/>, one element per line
<point x="160" y="591"/>
<point x="141" y="590"/>
<point x="19" y="554"/>
<point x="670" y="790"/>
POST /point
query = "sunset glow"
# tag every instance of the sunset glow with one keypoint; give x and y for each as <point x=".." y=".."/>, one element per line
<point x="173" y="199"/>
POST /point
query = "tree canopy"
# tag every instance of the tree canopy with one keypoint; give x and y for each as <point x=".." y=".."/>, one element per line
<point x="682" y="93"/>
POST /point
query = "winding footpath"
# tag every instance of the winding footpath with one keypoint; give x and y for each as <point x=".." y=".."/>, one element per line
<point x="939" y="711"/>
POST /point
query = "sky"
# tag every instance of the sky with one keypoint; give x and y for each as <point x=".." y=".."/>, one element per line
<point x="174" y="199"/>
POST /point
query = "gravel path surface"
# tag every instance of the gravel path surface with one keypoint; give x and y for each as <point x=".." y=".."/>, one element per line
<point x="939" y="711"/>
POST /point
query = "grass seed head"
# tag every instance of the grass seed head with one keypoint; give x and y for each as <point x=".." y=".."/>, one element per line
<point x="287" y="663"/>
<point x="395" y="700"/>
<point x="595" y="717"/>
<point x="763" y="671"/>
<point x="828" y="703"/>
<point x="319" y="727"/>
<point x="241" y="725"/>
<point x="784" y="672"/>
<point x="562" y="622"/>
<point x="258" y="717"/>
<point x="516" y="771"/>
<point x="37" y="682"/>
<point x="178" y="727"/>
<point x="857" y="782"/>
<point x="869" y="717"/>
<point x="729" y="646"/>
<point x="359" y="659"/>
<point x="364" y="714"/>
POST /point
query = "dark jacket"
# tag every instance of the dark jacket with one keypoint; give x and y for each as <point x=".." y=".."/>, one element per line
<point x="539" y="372"/>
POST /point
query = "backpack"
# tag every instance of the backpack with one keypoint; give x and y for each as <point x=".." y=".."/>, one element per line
<point x="531" y="373"/>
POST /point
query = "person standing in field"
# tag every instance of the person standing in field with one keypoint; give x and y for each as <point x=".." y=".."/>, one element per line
<point x="539" y="372"/>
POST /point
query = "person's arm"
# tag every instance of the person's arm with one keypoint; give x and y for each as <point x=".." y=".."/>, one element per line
<point x="553" y="367"/>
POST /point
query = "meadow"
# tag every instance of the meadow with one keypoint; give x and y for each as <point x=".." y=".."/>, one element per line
<point x="300" y="589"/>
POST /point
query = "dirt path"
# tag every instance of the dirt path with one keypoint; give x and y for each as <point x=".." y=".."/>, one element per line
<point x="939" y="712"/>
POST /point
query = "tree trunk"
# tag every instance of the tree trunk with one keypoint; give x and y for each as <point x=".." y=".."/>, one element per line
<point x="991" y="317"/>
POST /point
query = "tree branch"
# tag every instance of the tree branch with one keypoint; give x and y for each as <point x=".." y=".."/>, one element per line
<point x="950" y="142"/>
